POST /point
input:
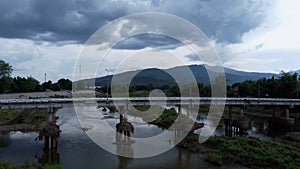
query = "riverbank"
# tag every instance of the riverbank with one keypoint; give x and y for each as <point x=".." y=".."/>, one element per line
<point x="27" y="165"/>
<point x="24" y="120"/>
<point x="247" y="151"/>
<point x="36" y="95"/>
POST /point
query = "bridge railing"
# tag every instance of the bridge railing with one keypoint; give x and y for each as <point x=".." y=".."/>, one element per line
<point x="158" y="100"/>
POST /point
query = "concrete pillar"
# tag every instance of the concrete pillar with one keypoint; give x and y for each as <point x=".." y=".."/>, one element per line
<point x="179" y="109"/>
<point x="287" y="112"/>
<point x="242" y="111"/>
<point x="230" y="112"/>
<point x="126" y="111"/>
<point x="121" y="118"/>
<point x="50" y="143"/>
<point x="123" y="113"/>
<point x="188" y="111"/>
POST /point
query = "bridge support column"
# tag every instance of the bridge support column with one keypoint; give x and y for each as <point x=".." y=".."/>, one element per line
<point x="124" y="128"/>
<point x="242" y="111"/>
<point x="228" y="122"/>
<point x="51" y="111"/>
<point x="50" y="142"/>
<point x="287" y="112"/>
<point x="179" y="109"/>
<point x="50" y="134"/>
<point x="230" y="113"/>
<point x="188" y="111"/>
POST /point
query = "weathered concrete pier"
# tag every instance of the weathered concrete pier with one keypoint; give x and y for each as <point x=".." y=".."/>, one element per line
<point x="49" y="133"/>
<point x="237" y="125"/>
<point x="124" y="128"/>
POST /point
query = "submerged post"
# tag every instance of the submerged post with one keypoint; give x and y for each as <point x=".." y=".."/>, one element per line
<point x="50" y="133"/>
<point x="287" y="112"/>
<point x="242" y="111"/>
<point x="124" y="128"/>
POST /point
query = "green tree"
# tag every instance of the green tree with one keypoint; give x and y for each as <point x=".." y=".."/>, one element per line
<point x="47" y="85"/>
<point x="5" y="69"/>
<point x="248" y="88"/>
<point x="5" y="79"/>
<point x="287" y="85"/>
<point x="21" y="84"/>
<point x="64" y="84"/>
<point x="6" y="84"/>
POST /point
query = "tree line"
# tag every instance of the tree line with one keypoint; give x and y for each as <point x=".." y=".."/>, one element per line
<point x="284" y="86"/>
<point x="18" y="84"/>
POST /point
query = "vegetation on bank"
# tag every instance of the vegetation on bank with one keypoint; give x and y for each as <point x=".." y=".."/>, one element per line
<point x="18" y="84"/>
<point x="248" y="151"/>
<point x="30" y="84"/>
<point x="27" y="165"/>
<point x="32" y="117"/>
<point x="291" y="139"/>
<point x="284" y="86"/>
<point x="163" y="120"/>
<point x="166" y="119"/>
<point x="7" y="115"/>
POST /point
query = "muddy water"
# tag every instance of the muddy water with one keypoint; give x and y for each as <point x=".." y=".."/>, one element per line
<point x="77" y="151"/>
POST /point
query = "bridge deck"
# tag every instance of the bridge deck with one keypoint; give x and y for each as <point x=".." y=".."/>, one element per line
<point x="61" y="102"/>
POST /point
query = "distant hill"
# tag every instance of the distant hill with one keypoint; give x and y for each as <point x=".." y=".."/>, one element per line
<point x="158" y="77"/>
<point x="235" y="76"/>
<point x="297" y="71"/>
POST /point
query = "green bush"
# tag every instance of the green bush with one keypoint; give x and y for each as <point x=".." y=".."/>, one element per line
<point x="253" y="152"/>
<point x="28" y="165"/>
<point x="39" y="118"/>
<point x="8" y="114"/>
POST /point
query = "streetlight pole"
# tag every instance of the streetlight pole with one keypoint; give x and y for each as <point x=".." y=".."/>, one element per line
<point x="258" y="88"/>
<point x="106" y="84"/>
<point x="45" y="77"/>
<point x="298" y="77"/>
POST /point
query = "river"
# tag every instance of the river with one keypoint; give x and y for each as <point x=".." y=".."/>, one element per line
<point x="77" y="151"/>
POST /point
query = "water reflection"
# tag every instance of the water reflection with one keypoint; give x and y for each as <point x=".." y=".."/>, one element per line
<point x="48" y="157"/>
<point x="124" y="162"/>
<point x="5" y="140"/>
<point x="76" y="151"/>
<point x="22" y="147"/>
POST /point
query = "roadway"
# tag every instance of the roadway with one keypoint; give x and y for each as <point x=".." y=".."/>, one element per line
<point x="61" y="102"/>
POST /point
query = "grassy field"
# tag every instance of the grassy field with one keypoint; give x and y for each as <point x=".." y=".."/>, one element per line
<point x="18" y="116"/>
<point x="7" y="165"/>
<point x="248" y="151"/>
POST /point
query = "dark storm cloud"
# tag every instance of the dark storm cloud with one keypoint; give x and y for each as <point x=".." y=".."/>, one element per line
<point x="192" y="57"/>
<point x="76" y="20"/>
<point x="226" y="20"/>
<point x="148" y="40"/>
<point x="55" y="20"/>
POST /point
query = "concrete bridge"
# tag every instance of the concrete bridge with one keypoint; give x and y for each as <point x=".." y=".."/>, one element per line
<point x="63" y="102"/>
<point x="232" y="125"/>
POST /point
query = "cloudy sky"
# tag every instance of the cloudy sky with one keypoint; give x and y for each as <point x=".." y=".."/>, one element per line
<point x="38" y="37"/>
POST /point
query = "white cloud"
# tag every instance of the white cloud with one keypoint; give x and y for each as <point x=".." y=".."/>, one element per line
<point x="32" y="59"/>
<point x="272" y="46"/>
<point x="267" y="44"/>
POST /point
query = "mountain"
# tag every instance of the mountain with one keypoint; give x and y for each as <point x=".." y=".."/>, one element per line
<point x="297" y="71"/>
<point x="235" y="76"/>
<point x="158" y="77"/>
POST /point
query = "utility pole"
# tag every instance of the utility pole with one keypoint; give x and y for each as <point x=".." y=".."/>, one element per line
<point x="45" y="77"/>
<point x="298" y="77"/>
<point x="79" y="72"/>
<point x="258" y="88"/>
<point x="106" y="84"/>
